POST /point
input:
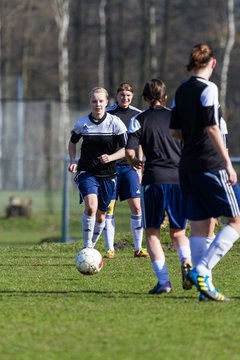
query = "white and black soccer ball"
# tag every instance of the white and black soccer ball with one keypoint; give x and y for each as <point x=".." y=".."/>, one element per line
<point x="89" y="261"/>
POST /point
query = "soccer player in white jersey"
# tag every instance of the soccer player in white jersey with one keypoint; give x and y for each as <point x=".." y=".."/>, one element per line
<point x="128" y="180"/>
<point x="160" y="185"/>
<point x="207" y="177"/>
<point x="103" y="142"/>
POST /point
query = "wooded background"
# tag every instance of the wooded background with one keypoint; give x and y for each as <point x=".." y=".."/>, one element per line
<point x="52" y="52"/>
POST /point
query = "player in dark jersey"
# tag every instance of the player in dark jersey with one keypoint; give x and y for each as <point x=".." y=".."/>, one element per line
<point x="103" y="142"/>
<point x="160" y="184"/>
<point x="207" y="177"/>
<point x="200" y="244"/>
<point x="128" y="180"/>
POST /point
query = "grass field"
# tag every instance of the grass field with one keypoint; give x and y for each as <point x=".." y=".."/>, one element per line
<point x="50" y="311"/>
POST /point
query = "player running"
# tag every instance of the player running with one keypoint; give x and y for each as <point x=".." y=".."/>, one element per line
<point x="128" y="180"/>
<point x="103" y="142"/>
<point x="160" y="184"/>
<point x="207" y="177"/>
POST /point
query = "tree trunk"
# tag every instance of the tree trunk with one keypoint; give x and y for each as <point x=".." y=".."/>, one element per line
<point x="227" y="54"/>
<point x="153" y="39"/>
<point x="61" y="12"/>
<point x="165" y="42"/>
<point x="102" y="45"/>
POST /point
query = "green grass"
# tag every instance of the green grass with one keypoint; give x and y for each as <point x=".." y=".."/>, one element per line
<point x="50" y="311"/>
<point x="46" y="224"/>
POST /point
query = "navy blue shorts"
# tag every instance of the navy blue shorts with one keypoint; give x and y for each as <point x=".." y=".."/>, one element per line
<point x="128" y="185"/>
<point x="209" y="194"/>
<point x="161" y="198"/>
<point x="89" y="184"/>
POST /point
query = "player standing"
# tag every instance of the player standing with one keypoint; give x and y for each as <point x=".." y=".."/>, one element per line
<point x="128" y="180"/>
<point x="160" y="184"/>
<point x="199" y="244"/>
<point x="103" y="142"/>
<point x="207" y="177"/>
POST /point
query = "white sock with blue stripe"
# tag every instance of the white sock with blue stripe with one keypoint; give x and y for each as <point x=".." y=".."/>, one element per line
<point x="109" y="232"/>
<point x="88" y="223"/>
<point x="137" y="231"/>
<point x="98" y="228"/>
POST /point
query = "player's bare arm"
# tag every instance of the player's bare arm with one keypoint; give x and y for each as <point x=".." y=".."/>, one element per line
<point x="105" y="158"/>
<point x="72" y="155"/>
<point x="133" y="161"/>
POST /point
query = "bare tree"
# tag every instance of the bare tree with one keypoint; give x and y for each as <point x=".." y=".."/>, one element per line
<point x="227" y="54"/>
<point x="26" y="52"/>
<point x="102" y="40"/>
<point x="166" y="35"/>
<point x="1" y="119"/>
<point x="153" y="38"/>
<point x="61" y="13"/>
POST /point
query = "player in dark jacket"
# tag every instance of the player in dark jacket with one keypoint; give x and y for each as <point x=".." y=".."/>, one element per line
<point x="128" y="180"/>
<point x="160" y="183"/>
<point x="207" y="177"/>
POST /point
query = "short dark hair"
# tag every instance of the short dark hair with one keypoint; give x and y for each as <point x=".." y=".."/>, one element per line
<point x="155" y="90"/>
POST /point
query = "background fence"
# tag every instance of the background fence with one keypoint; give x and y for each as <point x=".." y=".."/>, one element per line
<point x="32" y="144"/>
<point x="33" y="150"/>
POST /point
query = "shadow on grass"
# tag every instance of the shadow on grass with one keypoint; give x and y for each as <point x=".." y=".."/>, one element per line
<point x="108" y="294"/>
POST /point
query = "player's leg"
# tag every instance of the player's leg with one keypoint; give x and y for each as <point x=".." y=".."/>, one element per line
<point x="88" y="190"/>
<point x="158" y="260"/>
<point x="130" y="189"/>
<point x="177" y="224"/>
<point x="153" y="208"/>
<point x="109" y="230"/>
<point x="99" y="226"/>
<point x="181" y="244"/>
<point x="89" y="219"/>
<point x="222" y="243"/>
<point x="105" y="193"/>
<point x="136" y="227"/>
<point x="199" y="238"/>
<point x="226" y="201"/>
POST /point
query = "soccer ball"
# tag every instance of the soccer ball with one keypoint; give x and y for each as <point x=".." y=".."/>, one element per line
<point x="89" y="261"/>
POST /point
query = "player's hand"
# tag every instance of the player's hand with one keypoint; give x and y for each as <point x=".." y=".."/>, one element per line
<point x="232" y="175"/>
<point x="138" y="164"/>
<point x="72" y="168"/>
<point x="105" y="158"/>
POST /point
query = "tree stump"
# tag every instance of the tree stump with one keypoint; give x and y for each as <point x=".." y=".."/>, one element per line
<point x="19" y="207"/>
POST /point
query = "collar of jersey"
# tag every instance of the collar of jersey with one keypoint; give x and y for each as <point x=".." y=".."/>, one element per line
<point x="121" y="109"/>
<point x="97" y="121"/>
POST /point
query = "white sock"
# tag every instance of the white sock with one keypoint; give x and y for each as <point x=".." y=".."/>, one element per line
<point x="161" y="271"/>
<point x="209" y="240"/>
<point x="109" y="232"/>
<point x="198" y="247"/>
<point x="98" y="228"/>
<point x="137" y="231"/>
<point x="184" y="253"/>
<point x="222" y="243"/>
<point x="88" y="223"/>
